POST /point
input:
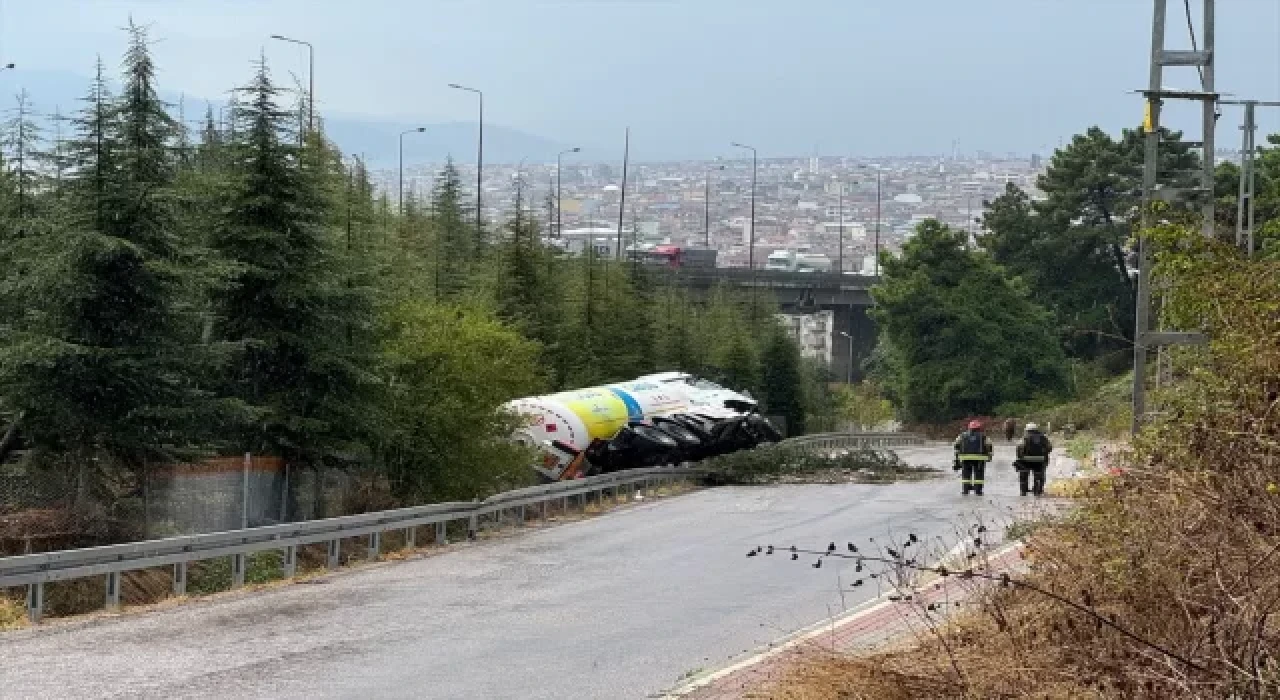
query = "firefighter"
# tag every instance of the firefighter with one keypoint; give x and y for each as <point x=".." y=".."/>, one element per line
<point x="1032" y="458"/>
<point x="973" y="451"/>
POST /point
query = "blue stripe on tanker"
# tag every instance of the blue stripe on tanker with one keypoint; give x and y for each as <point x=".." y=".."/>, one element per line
<point x="633" y="406"/>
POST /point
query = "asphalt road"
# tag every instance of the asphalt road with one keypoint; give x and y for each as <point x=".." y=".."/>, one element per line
<point x="618" y="606"/>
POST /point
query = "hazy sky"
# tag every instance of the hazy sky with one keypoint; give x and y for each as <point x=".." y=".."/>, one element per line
<point x="847" y="77"/>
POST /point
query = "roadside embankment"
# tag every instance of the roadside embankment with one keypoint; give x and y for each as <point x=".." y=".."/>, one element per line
<point x="1165" y="581"/>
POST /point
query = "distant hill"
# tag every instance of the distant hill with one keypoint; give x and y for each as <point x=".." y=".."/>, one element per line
<point x="378" y="141"/>
<point x="374" y="138"/>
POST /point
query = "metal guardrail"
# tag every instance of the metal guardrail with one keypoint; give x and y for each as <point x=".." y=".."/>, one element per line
<point x="35" y="570"/>
<point x="835" y="441"/>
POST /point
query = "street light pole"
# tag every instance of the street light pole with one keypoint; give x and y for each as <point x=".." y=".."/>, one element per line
<point x="479" y="152"/>
<point x="848" y="377"/>
<point x="751" y="247"/>
<point x="559" y="196"/>
<point x="400" y="180"/>
<point x="968" y="217"/>
<point x="706" y="213"/>
<point x="750" y="251"/>
<point x="877" y="245"/>
<point x="840" y="215"/>
<point x="311" y="78"/>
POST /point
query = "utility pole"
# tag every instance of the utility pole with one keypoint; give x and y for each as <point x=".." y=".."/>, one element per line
<point x="877" y="249"/>
<point x="840" y="224"/>
<point x="1245" y="217"/>
<point x="1244" y="204"/>
<point x="751" y="246"/>
<point x="622" y="199"/>
<point x="1155" y="94"/>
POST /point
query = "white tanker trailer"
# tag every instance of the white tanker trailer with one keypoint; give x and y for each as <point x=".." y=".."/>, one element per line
<point x="657" y="419"/>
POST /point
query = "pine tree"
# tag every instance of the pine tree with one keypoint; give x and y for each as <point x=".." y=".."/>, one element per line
<point x="453" y="235"/>
<point x="287" y="296"/>
<point x="737" y="367"/>
<point x="782" y="380"/>
<point x="22" y="145"/>
<point x="96" y="365"/>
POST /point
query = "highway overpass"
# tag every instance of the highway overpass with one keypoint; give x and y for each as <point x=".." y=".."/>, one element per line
<point x="849" y="296"/>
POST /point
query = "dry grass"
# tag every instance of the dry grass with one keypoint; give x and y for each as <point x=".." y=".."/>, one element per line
<point x="13" y="613"/>
<point x="1182" y="549"/>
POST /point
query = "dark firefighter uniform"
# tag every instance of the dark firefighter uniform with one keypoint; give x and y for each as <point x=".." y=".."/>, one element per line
<point x="1032" y="459"/>
<point x="973" y="451"/>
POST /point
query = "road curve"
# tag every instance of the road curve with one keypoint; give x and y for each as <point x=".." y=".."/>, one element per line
<point x="619" y="606"/>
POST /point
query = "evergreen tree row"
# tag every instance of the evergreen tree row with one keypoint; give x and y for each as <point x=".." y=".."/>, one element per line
<point x="172" y="293"/>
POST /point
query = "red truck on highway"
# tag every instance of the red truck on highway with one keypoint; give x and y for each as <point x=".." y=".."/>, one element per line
<point x="676" y="257"/>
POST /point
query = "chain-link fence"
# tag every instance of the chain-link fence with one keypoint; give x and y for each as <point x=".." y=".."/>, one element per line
<point x="45" y="507"/>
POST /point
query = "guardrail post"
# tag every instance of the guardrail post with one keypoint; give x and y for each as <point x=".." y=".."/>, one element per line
<point x="521" y="523"/>
<point x="473" y="527"/>
<point x="180" y="578"/>
<point x="35" y="602"/>
<point x="375" y="545"/>
<point x="290" y="561"/>
<point x="237" y="570"/>
<point x="410" y="537"/>
<point x="113" y="590"/>
<point x="442" y="533"/>
<point x="335" y="550"/>
<point x="544" y="511"/>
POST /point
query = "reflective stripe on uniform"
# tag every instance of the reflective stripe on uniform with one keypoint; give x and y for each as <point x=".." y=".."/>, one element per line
<point x="1033" y="458"/>
<point x="972" y="458"/>
<point x="973" y="482"/>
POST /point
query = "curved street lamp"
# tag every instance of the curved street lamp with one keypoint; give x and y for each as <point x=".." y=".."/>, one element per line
<point x="479" y="151"/>
<point x="559" y="196"/>
<point x="400" y="181"/>
<point x="311" y="78"/>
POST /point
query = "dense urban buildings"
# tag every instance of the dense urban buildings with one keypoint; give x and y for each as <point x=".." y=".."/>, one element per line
<point x="819" y="214"/>
<point x="811" y="213"/>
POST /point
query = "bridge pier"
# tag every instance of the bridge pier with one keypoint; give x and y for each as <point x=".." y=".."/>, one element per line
<point x="849" y="296"/>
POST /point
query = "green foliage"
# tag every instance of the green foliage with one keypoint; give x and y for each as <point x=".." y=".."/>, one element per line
<point x="1105" y="409"/>
<point x="292" y="318"/>
<point x="862" y="405"/>
<point x="21" y="139"/>
<point x="1071" y="248"/>
<point x="963" y="337"/>
<point x="96" y="364"/>
<point x="454" y="236"/>
<point x="449" y="367"/>
<point x="773" y="462"/>
<point x="214" y="575"/>
<point x="782" y="384"/>
<point x="170" y="294"/>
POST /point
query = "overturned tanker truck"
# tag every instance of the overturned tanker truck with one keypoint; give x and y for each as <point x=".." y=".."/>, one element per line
<point x="654" y="420"/>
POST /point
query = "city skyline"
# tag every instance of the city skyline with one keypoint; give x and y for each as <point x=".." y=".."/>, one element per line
<point x="812" y="77"/>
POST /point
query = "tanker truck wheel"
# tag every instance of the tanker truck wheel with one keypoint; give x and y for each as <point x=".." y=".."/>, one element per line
<point x="690" y="443"/>
<point x="652" y="446"/>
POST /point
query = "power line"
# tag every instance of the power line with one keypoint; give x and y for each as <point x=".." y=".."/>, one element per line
<point x="1191" y="30"/>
